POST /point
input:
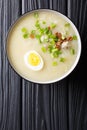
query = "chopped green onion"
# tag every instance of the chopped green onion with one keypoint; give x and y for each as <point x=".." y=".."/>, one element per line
<point x="50" y="33"/>
<point x="53" y="25"/>
<point x="50" y="48"/>
<point x="74" y="37"/>
<point x="62" y="59"/>
<point x="44" y="22"/>
<point x="53" y="37"/>
<point x="72" y="51"/>
<point x="46" y="30"/>
<point x="41" y="31"/>
<point x="52" y="42"/>
<point x="36" y="15"/>
<point x="56" y="39"/>
<point x="37" y="24"/>
<point x="67" y="25"/>
<point x="55" y="53"/>
<point x="55" y="50"/>
<point x="24" y="30"/>
<point x="44" y="49"/>
<point x="26" y="35"/>
<point x="54" y="63"/>
<point x="38" y="36"/>
<point x="39" y="41"/>
<point x="33" y="31"/>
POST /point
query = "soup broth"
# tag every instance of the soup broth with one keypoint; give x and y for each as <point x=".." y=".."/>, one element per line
<point x="48" y="34"/>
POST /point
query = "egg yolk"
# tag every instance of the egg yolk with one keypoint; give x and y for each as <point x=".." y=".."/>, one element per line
<point x="33" y="59"/>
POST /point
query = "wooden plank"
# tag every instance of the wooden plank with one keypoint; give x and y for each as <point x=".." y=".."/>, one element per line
<point x="44" y="107"/>
<point x="77" y="10"/>
<point x="9" y="81"/>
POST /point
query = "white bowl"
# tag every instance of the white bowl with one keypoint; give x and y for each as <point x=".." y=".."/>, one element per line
<point x="78" y="51"/>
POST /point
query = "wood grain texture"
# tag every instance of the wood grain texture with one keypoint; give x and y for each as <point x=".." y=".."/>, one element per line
<point x="9" y="80"/>
<point x="77" y="10"/>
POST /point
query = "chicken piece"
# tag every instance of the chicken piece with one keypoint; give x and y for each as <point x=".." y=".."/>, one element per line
<point x="64" y="44"/>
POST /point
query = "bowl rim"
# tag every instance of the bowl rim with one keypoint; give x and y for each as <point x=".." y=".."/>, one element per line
<point x="78" y="53"/>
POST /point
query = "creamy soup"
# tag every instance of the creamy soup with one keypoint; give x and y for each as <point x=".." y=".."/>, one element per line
<point x="42" y="46"/>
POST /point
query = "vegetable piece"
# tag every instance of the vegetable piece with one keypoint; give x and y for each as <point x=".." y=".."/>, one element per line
<point x="24" y="30"/>
<point x="53" y="37"/>
<point x="52" y="42"/>
<point x="41" y="31"/>
<point x="49" y="34"/>
<point x="74" y="37"/>
<point x="72" y="51"/>
<point x="44" y="22"/>
<point x="26" y="35"/>
<point x="50" y="48"/>
<point x="46" y="30"/>
<point x="54" y="63"/>
<point x="67" y="25"/>
<point x="62" y="59"/>
<point x="53" y="25"/>
<point x="44" y="49"/>
<point x="37" y="24"/>
<point x="55" y="53"/>
<point x="33" y="32"/>
<point x="44" y="38"/>
<point x="38" y="36"/>
<point x="36" y="15"/>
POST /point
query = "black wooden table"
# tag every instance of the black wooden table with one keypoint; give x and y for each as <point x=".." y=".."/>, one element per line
<point x="29" y="106"/>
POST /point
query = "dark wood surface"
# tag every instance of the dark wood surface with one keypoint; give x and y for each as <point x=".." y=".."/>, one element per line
<point x="29" y="106"/>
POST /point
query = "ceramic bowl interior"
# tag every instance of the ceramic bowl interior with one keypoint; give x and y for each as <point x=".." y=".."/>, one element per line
<point x="78" y="52"/>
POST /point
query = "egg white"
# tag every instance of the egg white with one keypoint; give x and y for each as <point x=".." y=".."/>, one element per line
<point x="35" y="68"/>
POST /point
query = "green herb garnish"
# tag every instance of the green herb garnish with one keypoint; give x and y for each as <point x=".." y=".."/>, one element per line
<point x="55" y="53"/>
<point x="26" y="35"/>
<point x="54" y="63"/>
<point x="74" y="37"/>
<point x="24" y="30"/>
<point x="53" y="25"/>
<point x="37" y="24"/>
<point x="62" y="59"/>
<point x="50" y="48"/>
<point x="67" y="25"/>
<point x="36" y="15"/>
<point x="44" y="22"/>
<point x="33" y="31"/>
<point x="46" y="30"/>
<point x="44" y="49"/>
<point x="38" y="36"/>
<point x="72" y="51"/>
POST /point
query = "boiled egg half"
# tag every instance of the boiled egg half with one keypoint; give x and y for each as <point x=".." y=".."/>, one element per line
<point x="33" y="60"/>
